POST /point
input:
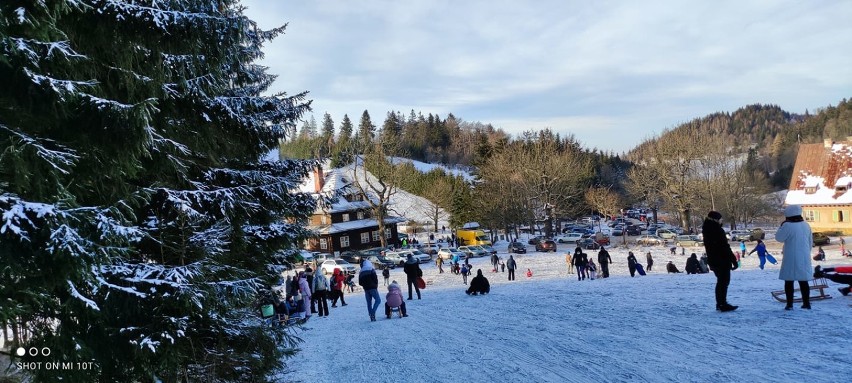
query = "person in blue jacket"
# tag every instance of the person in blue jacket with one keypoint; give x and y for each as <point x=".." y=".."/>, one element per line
<point x="761" y="253"/>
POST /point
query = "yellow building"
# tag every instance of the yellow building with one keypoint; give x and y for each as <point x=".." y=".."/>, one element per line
<point x="822" y="178"/>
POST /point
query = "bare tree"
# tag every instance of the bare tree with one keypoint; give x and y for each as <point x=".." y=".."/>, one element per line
<point x="438" y="196"/>
<point x="377" y="179"/>
<point x="604" y="200"/>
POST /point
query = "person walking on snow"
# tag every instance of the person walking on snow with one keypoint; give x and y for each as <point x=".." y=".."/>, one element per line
<point x="464" y="273"/>
<point x="760" y="248"/>
<point x="569" y="261"/>
<point x="604" y="260"/>
<point x="650" y="261"/>
<point x="370" y="282"/>
<point x="412" y="272"/>
<point x="631" y="263"/>
<point x="511" y="265"/>
<point x="580" y="262"/>
<point x="796" y="235"/>
<point x="743" y="248"/>
<point x="720" y="258"/>
<point x="440" y="263"/>
<point x="494" y="262"/>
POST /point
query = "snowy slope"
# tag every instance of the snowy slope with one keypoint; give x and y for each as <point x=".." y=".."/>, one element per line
<point x="553" y="328"/>
<point x="425" y="167"/>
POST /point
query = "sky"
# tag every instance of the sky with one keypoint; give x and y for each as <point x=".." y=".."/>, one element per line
<point x="612" y="73"/>
<point x="553" y="328"/>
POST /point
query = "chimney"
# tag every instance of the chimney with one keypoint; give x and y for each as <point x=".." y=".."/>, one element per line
<point x="827" y="142"/>
<point x="319" y="180"/>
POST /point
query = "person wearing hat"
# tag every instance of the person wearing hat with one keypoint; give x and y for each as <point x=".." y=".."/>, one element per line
<point x="720" y="258"/>
<point x="796" y="235"/>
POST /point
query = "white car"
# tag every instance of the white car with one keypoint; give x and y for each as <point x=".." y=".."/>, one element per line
<point x="569" y="238"/>
<point x="329" y="265"/>
<point x="449" y="252"/>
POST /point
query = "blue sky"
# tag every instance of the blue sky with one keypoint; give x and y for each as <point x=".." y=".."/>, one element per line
<point x="612" y="73"/>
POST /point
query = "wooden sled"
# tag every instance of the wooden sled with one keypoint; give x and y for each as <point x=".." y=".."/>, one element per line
<point x="818" y="285"/>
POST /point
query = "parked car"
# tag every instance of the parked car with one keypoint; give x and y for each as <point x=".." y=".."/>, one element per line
<point x="421" y="256"/>
<point x="740" y="235"/>
<point x="633" y="230"/>
<point x="489" y="249"/>
<point x="430" y="249"/>
<point x="546" y="245"/>
<point x="352" y="257"/>
<point x="666" y="233"/>
<point x="589" y="244"/>
<point x="688" y="241"/>
<point x="379" y="262"/>
<point x="820" y="239"/>
<point x="329" y="265"/>
<point x="650" y="240"/>
<point x="449" y="252"/>
<point x="516" y="247"/>
<point x="569" y="238"/>
<point x="474" y="251"/>
<point x="602" y="239"/>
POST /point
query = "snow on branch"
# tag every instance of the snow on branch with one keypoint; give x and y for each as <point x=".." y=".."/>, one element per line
<point x="76" y="294"/>
<point x="61" y="87"/>
<point x="55" y="154"/>
<point x="160" y="18"/>
<point x="36" y="51"/>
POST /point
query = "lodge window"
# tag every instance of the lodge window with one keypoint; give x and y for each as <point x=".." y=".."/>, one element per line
<point x="323" y="244"/>
<point x="365" y="237"/>
<point x="811" y="215"/>
<point x="810" y="189"/>
<point x="360" y="215"/>
<point x="344" y="241"/>
<point x="345" y="217"/>
<point x="324" y="220"/>
<point x="839" y="216"/>
<point x="376" y="235"/>
<point x="387" y="234"/>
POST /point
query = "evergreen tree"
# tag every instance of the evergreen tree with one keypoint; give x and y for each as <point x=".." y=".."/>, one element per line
<point x="391" y="131"/>
<point x="138" y="223"/>
<point x="345" y="130"/>
<point x="366" y="130"/>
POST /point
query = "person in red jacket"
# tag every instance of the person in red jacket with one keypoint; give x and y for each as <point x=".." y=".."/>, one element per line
<point x="337" y="280"/>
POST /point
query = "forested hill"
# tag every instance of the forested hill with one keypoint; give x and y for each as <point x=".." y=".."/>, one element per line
<point x="751" y="125"/>
<point x="772" y="132"/>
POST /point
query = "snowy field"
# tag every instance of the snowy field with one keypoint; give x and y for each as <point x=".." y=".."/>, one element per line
<point x="553" y="328"/>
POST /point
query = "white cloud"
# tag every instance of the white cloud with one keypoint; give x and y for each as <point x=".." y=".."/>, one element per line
<point x="522" y="63"/>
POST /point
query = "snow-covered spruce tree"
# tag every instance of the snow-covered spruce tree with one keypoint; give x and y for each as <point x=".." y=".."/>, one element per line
<point x="137" y="221"/>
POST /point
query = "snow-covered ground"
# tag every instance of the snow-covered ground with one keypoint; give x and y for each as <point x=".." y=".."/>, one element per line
<point x="554" y="328"/>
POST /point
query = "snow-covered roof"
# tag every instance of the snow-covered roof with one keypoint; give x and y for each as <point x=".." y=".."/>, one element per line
<point x="822" y="175"/>
<point x="352" y="225"/>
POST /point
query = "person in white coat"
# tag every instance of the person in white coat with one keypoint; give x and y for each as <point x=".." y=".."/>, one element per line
<point x="795" y="233"/>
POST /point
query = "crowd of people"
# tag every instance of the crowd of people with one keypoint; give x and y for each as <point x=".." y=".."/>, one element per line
<point x="309" y="293"/>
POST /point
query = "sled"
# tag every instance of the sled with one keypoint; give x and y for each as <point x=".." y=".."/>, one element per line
<point x="421" y="284"/>
<point x="771" y="259"/>
<point x="817" y="285"/>
<point x="640" y="269"/>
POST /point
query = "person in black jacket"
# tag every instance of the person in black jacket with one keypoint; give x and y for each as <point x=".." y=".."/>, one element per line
<point x="720" y="258"/>
<point x="370" y="282"/>
<point x="604" y="260"/>
<point x="631" y="263"/>
<point x="479" y="284"/>
<point x="580" y="262"/>
<point x="412" y="272"/>
<point x="692" y="264"/>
